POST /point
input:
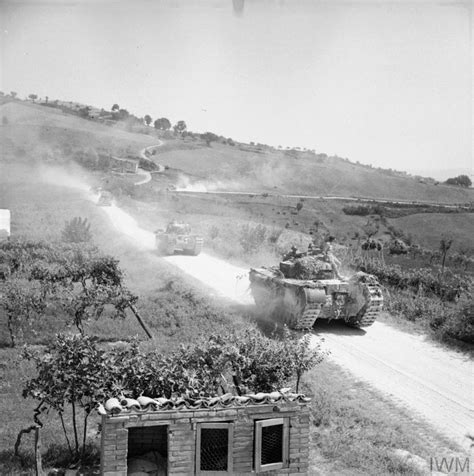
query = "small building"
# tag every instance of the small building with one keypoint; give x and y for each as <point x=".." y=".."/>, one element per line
<point x="124" y="165"/>
<point x="4" y="223"/>
<point x="263" y="433"/>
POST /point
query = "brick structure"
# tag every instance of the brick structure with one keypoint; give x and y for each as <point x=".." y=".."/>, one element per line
<point x="250" y="435"/>
<point x="124" y="165"/>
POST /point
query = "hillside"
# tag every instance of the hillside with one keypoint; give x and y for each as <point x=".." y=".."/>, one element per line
<point x="222" y="167"/>
<point x="37" y="130"/>
<point x="54" y="134"/>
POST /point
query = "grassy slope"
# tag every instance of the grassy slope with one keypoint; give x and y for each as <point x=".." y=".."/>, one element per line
<point x="353" y="432"/>
<point x="427" y="228"/>
<point x="43" y="129"/>
<point x="301" y="173"/>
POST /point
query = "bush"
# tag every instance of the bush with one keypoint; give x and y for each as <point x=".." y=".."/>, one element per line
<point x="460" y="181"/>
<point x="77" y="230"/>
<point x="252" y="237"/>
<point x="147" y="165"/>
<point x="359" y="210"/>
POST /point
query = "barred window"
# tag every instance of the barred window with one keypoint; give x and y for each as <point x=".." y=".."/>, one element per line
<point x="214" y="448"/>
<point x="271" y="444"/>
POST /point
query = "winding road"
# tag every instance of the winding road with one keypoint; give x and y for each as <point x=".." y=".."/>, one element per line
<point x="145" y="173"/>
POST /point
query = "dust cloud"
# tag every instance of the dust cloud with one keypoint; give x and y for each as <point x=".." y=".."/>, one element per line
<point x="184" y="184"/>
<point x="70" y="177"/>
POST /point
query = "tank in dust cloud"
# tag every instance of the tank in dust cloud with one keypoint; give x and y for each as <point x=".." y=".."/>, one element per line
<point x="306" y="287"/>
<point x="178" y="238"/>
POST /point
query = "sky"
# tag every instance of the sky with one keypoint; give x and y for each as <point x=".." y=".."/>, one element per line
<point x="387" y="83"/>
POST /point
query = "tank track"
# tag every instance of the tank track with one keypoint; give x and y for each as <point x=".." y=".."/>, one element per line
<point x="197" y="246"/>
<point x="371" y="310"/>
<point x="311" y="312"/>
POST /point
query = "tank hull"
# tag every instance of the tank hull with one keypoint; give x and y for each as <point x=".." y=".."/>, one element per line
<point x="299" y="303"/>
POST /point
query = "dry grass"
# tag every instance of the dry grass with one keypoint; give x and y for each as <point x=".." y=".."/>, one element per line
<point x="272" y="170"/>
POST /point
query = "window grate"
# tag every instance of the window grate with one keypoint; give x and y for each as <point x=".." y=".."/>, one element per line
<point x="272" y="444"/>
<point x="214" y="449"/>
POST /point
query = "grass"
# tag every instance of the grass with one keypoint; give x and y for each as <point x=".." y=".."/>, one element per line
<point x="356" y="431"/>
<point x="299" y="173"/>
<point x="427" y="228"/>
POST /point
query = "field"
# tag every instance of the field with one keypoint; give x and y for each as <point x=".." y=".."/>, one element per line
<point x="355" y="431"/>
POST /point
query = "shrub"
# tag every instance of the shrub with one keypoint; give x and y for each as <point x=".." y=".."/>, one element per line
<point x="460" y="181"/>
<point x="77" y="230"/>
<point x="147" y="164"/>
<point x="252" y="237"/>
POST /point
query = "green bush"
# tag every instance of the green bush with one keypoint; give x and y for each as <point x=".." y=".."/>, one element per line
<point x="251" y="238"/>
<point x="77" y="230"/>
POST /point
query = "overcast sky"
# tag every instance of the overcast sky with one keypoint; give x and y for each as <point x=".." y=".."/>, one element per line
<point x="387" y="83"/>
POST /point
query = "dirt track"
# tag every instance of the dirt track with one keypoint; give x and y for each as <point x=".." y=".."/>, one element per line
<point x="434" y="383"/>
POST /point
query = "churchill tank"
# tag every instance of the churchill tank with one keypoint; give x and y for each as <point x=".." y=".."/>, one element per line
<point x="178" y="238"/>
<point x="308" y="286"/>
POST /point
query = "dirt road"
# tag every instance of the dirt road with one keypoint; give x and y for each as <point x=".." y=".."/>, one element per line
<point x="161" y="168"/>
<point x="434" y="383"/>
<point x="198" y="189"/>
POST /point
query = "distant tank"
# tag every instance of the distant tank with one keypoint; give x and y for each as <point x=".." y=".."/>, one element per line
<point x="105" y="199"/>
<point x="307" y="286"/>
<point x="178" y="238"/>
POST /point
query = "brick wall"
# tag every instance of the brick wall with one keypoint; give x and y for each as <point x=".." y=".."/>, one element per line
<point x="123" y="434"/>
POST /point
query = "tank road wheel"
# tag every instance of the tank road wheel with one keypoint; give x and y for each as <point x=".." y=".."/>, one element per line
<point x="197" y="247"/>
<point x="302" y="307"/>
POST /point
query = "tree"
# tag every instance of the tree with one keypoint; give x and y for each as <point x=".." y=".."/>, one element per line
<point x="163" y="124"/>
<point x="115" y="107"/>
<point x="77" y="230"/>
<point x="444" y="246"/>
<point x="460" y="181"/>
<point x="179" y="127"/>
<point x="371" y="227"/>
<point x="33" y="97"/>
<point x="147" y="120"/>
<point x="123" y="114"/>
<point x="71" y="372"/>
<point x="13" y="94"/>
<point x="252" y="238"/>
<point x="209" y="137"/>
<point x="299" y="206"/>
<point x="75" y="279"/>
